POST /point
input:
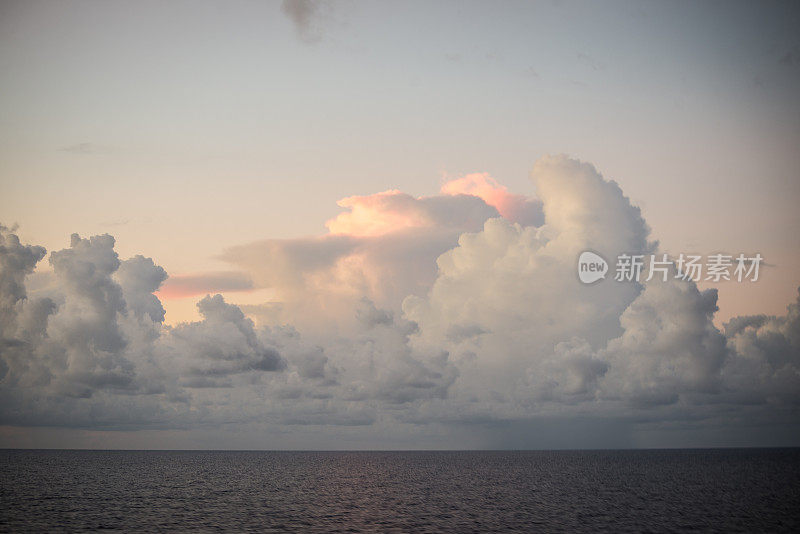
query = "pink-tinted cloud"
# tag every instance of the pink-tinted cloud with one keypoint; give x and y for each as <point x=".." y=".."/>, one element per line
<point x="516" y="208"/>
<point x="192" y="285"/>
<point x="392" y="211"/>
<point x="378" y="214"/>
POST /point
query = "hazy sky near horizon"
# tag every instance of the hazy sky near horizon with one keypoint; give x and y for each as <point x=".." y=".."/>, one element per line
<point x="218" y="138"/>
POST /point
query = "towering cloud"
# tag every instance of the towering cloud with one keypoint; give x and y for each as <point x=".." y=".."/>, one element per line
<point x="508" y="295"/>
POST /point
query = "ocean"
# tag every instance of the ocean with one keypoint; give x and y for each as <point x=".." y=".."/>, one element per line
<point x="723" y="490"/>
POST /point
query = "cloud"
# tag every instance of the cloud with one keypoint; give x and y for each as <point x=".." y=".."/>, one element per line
<point x="767" y="369"/>
<point x="379" y="214"/>
<point x="222" y="344"/>
<point x="529" y="340"/>
<point x="72" y="341"/>
<point x="670" y="346"/>
<point x="515" y="290"/>
<point x="450" y="318"/>
<point x="308" y="17"/>
<point x="91" y="350"/>
<point x="140" y="278"/>
<point x="16" y="262"/>
<point x="383" y="246"/>
<point x="192" y="285"/>
<point x="515" y="208"/>
<point x="511" y="277"/>
<point x="394" y="211"/>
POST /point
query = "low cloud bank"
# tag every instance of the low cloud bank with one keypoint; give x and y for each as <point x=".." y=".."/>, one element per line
<point x="456" y="310"/>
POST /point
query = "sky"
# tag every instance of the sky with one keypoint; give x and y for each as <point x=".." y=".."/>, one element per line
<point x="348" y="225"/>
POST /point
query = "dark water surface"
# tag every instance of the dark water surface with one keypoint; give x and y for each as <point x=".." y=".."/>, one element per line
<point x="550" y="491"/>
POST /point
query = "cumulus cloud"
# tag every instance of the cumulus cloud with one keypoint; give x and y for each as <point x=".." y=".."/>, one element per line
<point x="89" y="330"/>
<point x="515" y="286"/>
<point x="89" y="349"/>
<point x="16" y="262"/>
<point x="140" y="278"/>
<point x="767" y="366"/>
<point x="457" y="313"/>
<point x="669" y="347"/>
<point x="224" y="343"/>
<point x="529" y="339"/>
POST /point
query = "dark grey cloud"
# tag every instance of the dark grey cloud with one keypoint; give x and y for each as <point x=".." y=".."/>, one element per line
<point x="224" y="343"/>
<point x="139" y="278"/>
<point x="17" y="261"/>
